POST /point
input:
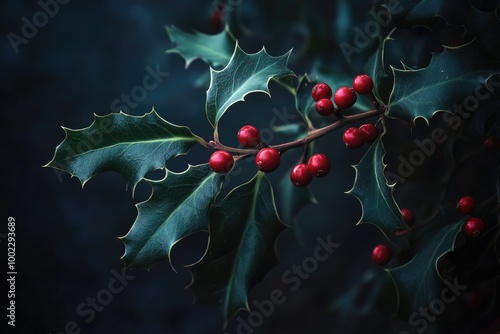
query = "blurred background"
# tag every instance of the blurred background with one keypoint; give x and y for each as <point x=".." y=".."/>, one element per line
<point x="80" y="62"/>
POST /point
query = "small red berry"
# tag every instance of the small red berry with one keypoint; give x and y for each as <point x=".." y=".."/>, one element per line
<point x="345" y="97"/>
<point x="267" y="159"/>
<point x="362" y="84"/>
<point x="325" y="107"/>
<point x="370" y="132"/>
<point x="492" y="144"/>
<point x="474" y="227"/>
<point x="221" y="161"/>
<point x="300" y="176"/>
<point x="318" y="165"/>
<point x="321" y="91"/>
<point x="381" y="255"/>
<point x="353" y="138"/>
<point x="466" y="205"/>
<point x="408" y="217"/>
<point x="249" y="136"/>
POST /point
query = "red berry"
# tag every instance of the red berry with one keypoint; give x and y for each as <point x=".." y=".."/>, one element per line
<point x="345" y="97"/>
<point x="474" y="227"/>
<point x="381" y="255"/>
<point x="300" y="176"/>
<point x="353" y="138"/>
<point x="370" y="132"/>
<point x="249" y="136"/>
<point x="492" y="144"/>
<point x="318" y="165"/>
<point x="324" y="107"/>
<point x="267" y="159"/>
<point x="408" y="217"/>
<point x="362" y="84"/>
<point x="221" y="161"/>
<point x="321" y="91"/>
<point x="466" y="205"/>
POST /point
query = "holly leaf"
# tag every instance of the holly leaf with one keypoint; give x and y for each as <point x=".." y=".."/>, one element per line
<point x="130" y="145"/>
<point x="243" y="230"/>
<point x="178" y="206"/>
<point x="375" y="195"/>
<point x="294" y="199"/>
<point x="303" y="100"/>
<point x="370" y="291"/>
<point x="215" y="50"/>
<point x="424" y="12"/>
<point x="450" y="77"/>
<point x="375" y="66"/>
<point x="245" y="74"/>
<point x="418" y="282"/>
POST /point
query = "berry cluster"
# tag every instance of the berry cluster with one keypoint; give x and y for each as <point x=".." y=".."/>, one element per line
<point x="355" y="137"/>
<point x="345" y="97"/>
<point x="318" y="165"/>
<point x="267" y="159"/>
<point x="474" y="226"/>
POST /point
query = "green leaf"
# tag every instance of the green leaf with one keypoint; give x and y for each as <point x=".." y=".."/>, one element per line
<point x="450" y="77"/>
<point x="245" y="74"/>
<point x="215" y="50"/>
<point x="373" y="290"/>
<point x="243" y="230"/>
<point x="375" y="65"/>
<point x="303" y="100"/>
<point x="130" y="145"/>
<point x="424" y="12"/>
<point x="294" y="199"/>
<point x="179" y="206"/>
<point x="418" y="282"/>
<point x="371" y="189"/>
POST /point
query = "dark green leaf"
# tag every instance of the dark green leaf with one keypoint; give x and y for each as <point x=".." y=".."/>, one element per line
<point x="216" y="50"/>
<point x="418" y="282"/>
<point x="375" y="65"/>
<point x="303" y="100"/>
<point x="245" y="74"/>
<point x="370" y="291"/>
<point x="130" y="145"/>
<point x="243" y="231"/>
<point x="294" y="199"/>
<point x="179" y="205"/>
<point x="450" y="77"/>
<point x="424" y="12"/>
<point x="371" y="189"/>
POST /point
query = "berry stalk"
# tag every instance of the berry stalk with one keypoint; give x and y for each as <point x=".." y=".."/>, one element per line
<point x="312" y="135"/>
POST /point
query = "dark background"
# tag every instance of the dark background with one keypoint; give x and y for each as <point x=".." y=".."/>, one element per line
<point x="83" y="59"/>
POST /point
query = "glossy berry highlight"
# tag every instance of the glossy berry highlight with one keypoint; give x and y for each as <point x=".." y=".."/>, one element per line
<point x="381" y="255"/>
<point x="362" y="84"/>
<point x="318" y="165"/>
<point x="408" y="217"/>
<point x="221" y="161"/>
<point x="474" y="227"/>
<point x="249" y="136"/>
<point x="466" y="205"/>
<point x="353" y="138"/>
<point x="321" y="91"/>
<point x="345" y="97"/>
<point x="300" y="176"/>
<point x="267" y="160"/>
<point x="325" y="107"/>
<point x="370" y="132"/>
